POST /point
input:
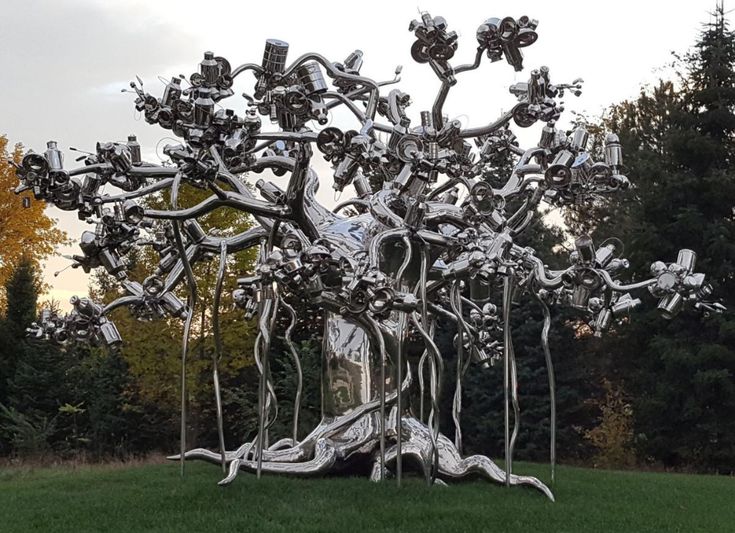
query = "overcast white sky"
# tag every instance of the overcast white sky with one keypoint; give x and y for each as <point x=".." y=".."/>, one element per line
<point x="64" y="63"/>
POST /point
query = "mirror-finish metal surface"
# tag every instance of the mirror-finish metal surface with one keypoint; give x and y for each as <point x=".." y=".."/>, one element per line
<point x="432" y="241"/>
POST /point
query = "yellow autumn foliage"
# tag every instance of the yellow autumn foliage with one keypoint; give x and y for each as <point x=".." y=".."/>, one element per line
<point x="28" y="232"/>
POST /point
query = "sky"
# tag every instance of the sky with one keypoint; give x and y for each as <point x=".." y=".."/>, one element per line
<point x="65" y="63"/>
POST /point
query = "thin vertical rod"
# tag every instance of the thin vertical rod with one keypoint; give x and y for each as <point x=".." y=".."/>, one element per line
<point x="455" y="300"/>
<point x="381" y="348"/>
<point x="382" y="404"/>
<point x="191" y="304"/>
<point x="218" y="351"/>
<point x="263" y="307"/>
<point x="402" y="321"/>
<point x="402" y="318"/>
<point x="261" y="348"/>
<point x="266" y="392"/>
<point x="552" y="386"/>
<point x="514" y="397"/>
<point x="506" y="378"/>
<point x="299" y="371"/>
<point x="432" y="366"/>
<point x="422" y="386"/>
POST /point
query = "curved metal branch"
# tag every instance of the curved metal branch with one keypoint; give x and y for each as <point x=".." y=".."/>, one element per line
<point x="235" y="201"/>
<point x="299" y="372"/>
<point x="552" y="384"/>
<point x="191" y="304"/>
<point x="218" y="349"/>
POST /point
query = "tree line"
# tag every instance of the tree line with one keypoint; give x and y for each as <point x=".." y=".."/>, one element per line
<point x="651" y="392"/>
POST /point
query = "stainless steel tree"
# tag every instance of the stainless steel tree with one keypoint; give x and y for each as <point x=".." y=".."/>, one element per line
<point x="425" y="236"/>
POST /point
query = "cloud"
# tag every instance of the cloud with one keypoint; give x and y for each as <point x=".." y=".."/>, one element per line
<point x="61" y="61"/>
<point x="71" y="43"/>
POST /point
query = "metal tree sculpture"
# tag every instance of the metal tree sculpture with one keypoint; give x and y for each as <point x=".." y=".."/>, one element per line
<point x="424" y="237"/>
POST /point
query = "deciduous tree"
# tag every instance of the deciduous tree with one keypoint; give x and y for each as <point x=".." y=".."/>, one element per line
<point x="24" y="231"/>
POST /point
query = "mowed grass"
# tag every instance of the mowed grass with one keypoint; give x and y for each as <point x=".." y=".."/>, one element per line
<point x="154" y="498"/>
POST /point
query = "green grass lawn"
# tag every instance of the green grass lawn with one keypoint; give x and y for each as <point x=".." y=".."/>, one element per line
<point x="154" y="498"/>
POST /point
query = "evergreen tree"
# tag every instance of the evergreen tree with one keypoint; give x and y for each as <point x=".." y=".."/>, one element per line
<point x="35" y="386"/>
<point x="21" y="289"/>
<point x="678" y="142"/>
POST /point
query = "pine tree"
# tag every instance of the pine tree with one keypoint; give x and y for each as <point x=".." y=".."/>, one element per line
<point x="711" y="90"/>
<point x="36" y="384"/>
<point x="678" y="141"/>
<point x="21" y="289"/>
